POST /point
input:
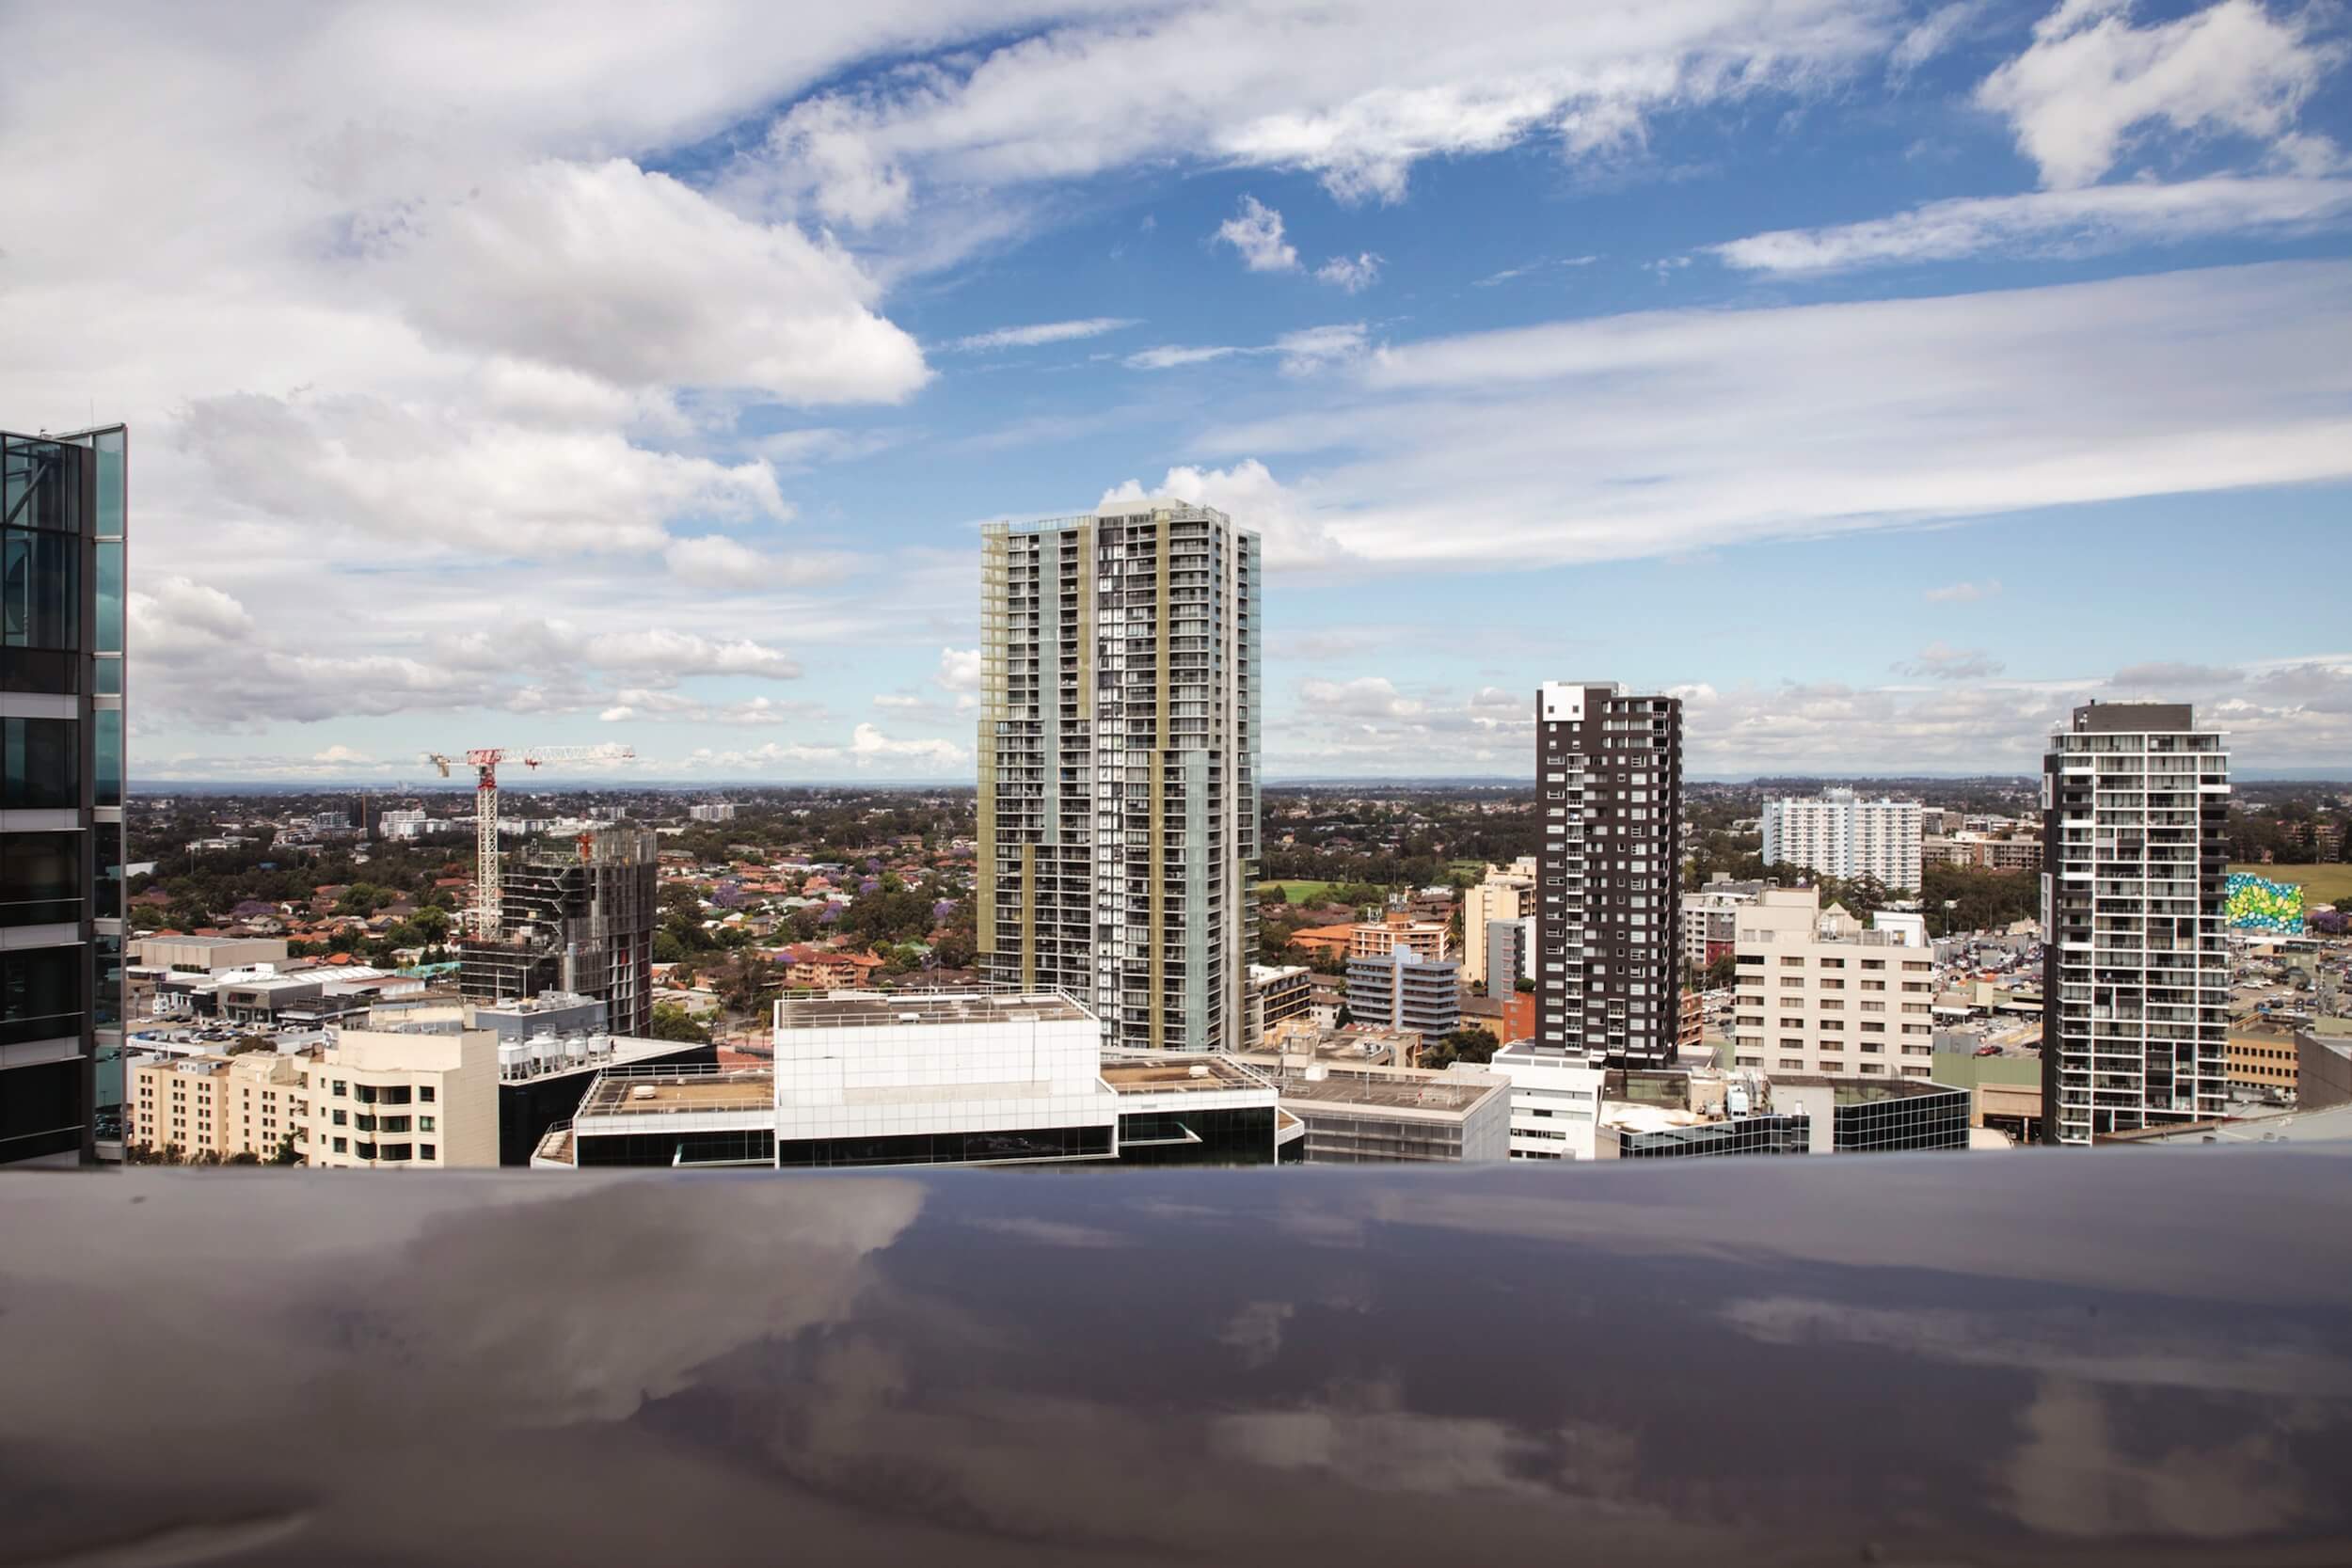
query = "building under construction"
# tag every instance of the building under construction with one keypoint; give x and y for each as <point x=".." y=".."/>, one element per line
<point x="577" y="915"/>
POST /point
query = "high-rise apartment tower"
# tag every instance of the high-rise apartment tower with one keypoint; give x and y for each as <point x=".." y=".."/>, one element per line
<point x="2136" y="971"/>
<point x="1119" y="768"/>
<point x="1609" y="774"/>
<point x="1840" y="835"/>
<point x="61" y="696"/>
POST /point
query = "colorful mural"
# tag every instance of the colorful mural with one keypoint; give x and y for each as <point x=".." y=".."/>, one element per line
<point x="2257" y="904"/>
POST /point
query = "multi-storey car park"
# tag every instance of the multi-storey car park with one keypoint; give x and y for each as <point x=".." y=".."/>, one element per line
<point x="2136" y="978"/>
<point x="1117" y="769"/>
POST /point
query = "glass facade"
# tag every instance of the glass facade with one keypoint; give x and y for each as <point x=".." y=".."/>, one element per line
<point x="1917" y="1118"/>
<point x="63" y="590"/>
<point x="1764" y="1135"/>
<point x="1240" y="1136"/>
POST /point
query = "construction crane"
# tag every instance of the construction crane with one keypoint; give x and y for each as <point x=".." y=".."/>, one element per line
<point x="485" y="762"/>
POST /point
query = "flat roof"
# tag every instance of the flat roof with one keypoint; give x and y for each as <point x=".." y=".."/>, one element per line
<point x="1441" y="1093"/>
<point x="678" y="1089"/>
<point x="877" y="1009"/>
<point x="1187" y="1073"/>
<point x="1861" y="1091"/>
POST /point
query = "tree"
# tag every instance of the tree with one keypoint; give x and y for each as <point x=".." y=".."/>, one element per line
<point x="672" y="1022"/>
<point x="1274" y="893"/>
<point x="1475" y="1045"/>
<point x="286" y="1153"/>
<point x="1721" y="973"/>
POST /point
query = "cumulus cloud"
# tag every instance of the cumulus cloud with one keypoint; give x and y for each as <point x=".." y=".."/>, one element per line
<point x="960" y="668"/>
<point x="425" y="473"/>
<point x="1351" y="274"/>
<point x="1365" y="697"/>
<point x="2091" y="81"/>
<point x="714" y="560"/>
<point x="1256" y="231"/>
<point x="633" y="277"/>
<point x="867" y="750"/>
<point x="1250" y="494"/>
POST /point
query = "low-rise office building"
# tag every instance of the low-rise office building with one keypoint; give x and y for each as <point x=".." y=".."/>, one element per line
<point x="1854" y="1115"/>
<point x="868" y="1080"/>
<point x="2323" y="1064"/>
<point x="1376" y="1115"/>
<point x="206" y="956"/>
<point x="1555" y="1100"/>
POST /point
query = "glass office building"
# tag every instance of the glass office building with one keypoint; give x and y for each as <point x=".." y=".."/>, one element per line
<point x="61" y="749"/>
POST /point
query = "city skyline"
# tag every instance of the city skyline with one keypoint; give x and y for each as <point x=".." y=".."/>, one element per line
<point x="1865" y="374"/>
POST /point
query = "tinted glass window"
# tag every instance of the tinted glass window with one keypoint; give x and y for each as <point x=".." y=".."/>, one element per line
<point x="107" y="757"/>
<point x="40" y="580"/>
<point x="41" y="878"/>
<point x="40" y="764"/>
<point x="41" y="993"/>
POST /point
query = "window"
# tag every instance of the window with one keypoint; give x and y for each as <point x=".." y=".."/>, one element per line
<point x="41" y="765"/>
<point x="39" y="877"/>
<point x="339" y="1089"/>
<point x="424" y="1092"/>
<point x="425" y="1152"/>
<point x="341" y="1145"/>
<point x="424" y="1124"/>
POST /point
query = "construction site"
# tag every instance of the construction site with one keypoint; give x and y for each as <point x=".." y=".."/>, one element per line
<point x="575" y="916"/>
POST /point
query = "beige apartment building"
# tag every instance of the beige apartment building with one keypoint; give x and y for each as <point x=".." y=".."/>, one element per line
<point x="1377" y="938"/>
<point x="1820" y="993"/>
<point x="422" y="1097"/>
<point x="1501" y="895"/>
<point x="220" y="1106"/>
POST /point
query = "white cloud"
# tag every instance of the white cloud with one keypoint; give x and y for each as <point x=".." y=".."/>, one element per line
<point x="898" y="700"/>
<point x="714" y="560"/>
<point x="1930" y="37"/>
<point x="1256" y="231"/>
<point x="867" y="750"/>
<point x="1308" y="349"/>
<point x="1169" y="356"/>
<point x="426" y="472"/>
<point x="1042" y="332"/>
<point x="1365" y="697"/>
<point x="1963" y="593"/>
<point x="1662" y="433"/>
<point x="2091" y="81"/>
<point x="1352" y="274"/>
<point x="635" y="278"/>
<point x="1941" y="661"/>
<point x="1316" y="347"/>
<point x="960" y="668"/>
<point x="1354" y="94"/>
<point x="1253" y="498"/>
<point x="2082" y="222"/>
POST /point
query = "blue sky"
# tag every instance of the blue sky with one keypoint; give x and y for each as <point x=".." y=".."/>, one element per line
<point x="1883" y="378"/>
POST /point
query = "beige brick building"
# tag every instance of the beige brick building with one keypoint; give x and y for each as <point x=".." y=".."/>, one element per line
<point x="1503" y="895"/>
<point x="423" y="1098"/>
<point x="221" y="1106"/>
<point x="1818" y="993"/>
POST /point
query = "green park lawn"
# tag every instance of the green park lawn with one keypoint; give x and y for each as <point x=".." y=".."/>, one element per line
<point x="2321" y="884"/>
<point x="1298" y="893"/>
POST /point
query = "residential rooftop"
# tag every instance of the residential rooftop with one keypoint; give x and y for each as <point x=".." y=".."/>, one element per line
<point x="1178" y="1072"/>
